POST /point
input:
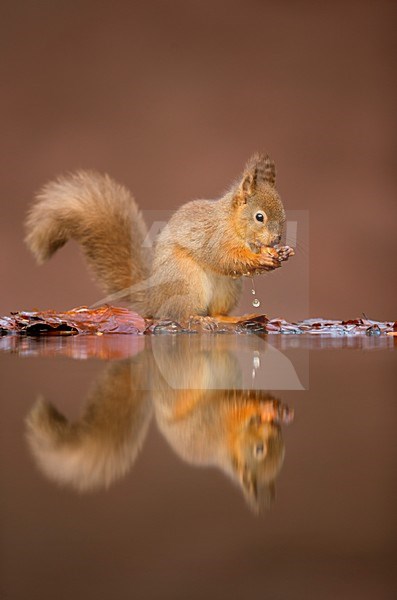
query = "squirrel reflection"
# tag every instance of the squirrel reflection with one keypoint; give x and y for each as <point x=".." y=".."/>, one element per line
<point x="192" y="386"/>
<point x="102" y="446"/>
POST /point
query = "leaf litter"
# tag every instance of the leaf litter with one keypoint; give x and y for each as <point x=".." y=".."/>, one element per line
<point x="111" y="320"/>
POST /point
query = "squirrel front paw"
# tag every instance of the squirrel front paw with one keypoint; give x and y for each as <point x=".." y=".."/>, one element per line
<point x="284" y="252"/>
<point x="268" y="259"/>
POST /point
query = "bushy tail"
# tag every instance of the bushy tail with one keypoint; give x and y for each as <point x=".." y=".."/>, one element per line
<point x="102" y="216"/>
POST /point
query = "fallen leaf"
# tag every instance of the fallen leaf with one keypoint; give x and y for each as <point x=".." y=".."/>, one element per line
<point x="106" y="319"/>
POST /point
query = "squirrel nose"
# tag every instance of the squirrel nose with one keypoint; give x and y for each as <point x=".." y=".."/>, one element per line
<point x="276" y="240"/>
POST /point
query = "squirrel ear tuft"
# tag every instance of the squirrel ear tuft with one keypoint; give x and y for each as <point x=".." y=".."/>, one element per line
<point x="243" y="192"/>
<point x="259" y="169"/>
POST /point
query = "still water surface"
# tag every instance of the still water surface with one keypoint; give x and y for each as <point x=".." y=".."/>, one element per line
<point x="213" y="466"/>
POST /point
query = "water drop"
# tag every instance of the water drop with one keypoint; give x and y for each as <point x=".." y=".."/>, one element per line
<point x="253" y="292"/>
<point x="255" y="301"/>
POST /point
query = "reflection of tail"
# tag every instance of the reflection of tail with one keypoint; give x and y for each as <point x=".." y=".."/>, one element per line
<point x="103" y="445"/>
<point x="99" y="214"/>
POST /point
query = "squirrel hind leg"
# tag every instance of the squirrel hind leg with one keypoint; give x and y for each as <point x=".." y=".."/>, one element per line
<point x="179" y="309"/>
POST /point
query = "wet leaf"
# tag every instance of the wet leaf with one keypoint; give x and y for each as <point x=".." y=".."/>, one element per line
<point x="106" y="319"/>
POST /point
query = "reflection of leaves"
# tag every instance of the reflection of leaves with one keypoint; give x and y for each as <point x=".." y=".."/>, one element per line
<point x="106" y="319"/>
<point x="104" y="347"/>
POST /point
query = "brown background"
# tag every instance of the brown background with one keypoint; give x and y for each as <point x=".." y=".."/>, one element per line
<point x="172" y="97"/>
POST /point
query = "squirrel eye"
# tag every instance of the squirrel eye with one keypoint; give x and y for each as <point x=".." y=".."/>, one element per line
<point x="259" y="217"/>
<point x="259" y="450"/>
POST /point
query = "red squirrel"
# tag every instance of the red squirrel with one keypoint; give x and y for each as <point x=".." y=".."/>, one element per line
<point x="196" y="265"/>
